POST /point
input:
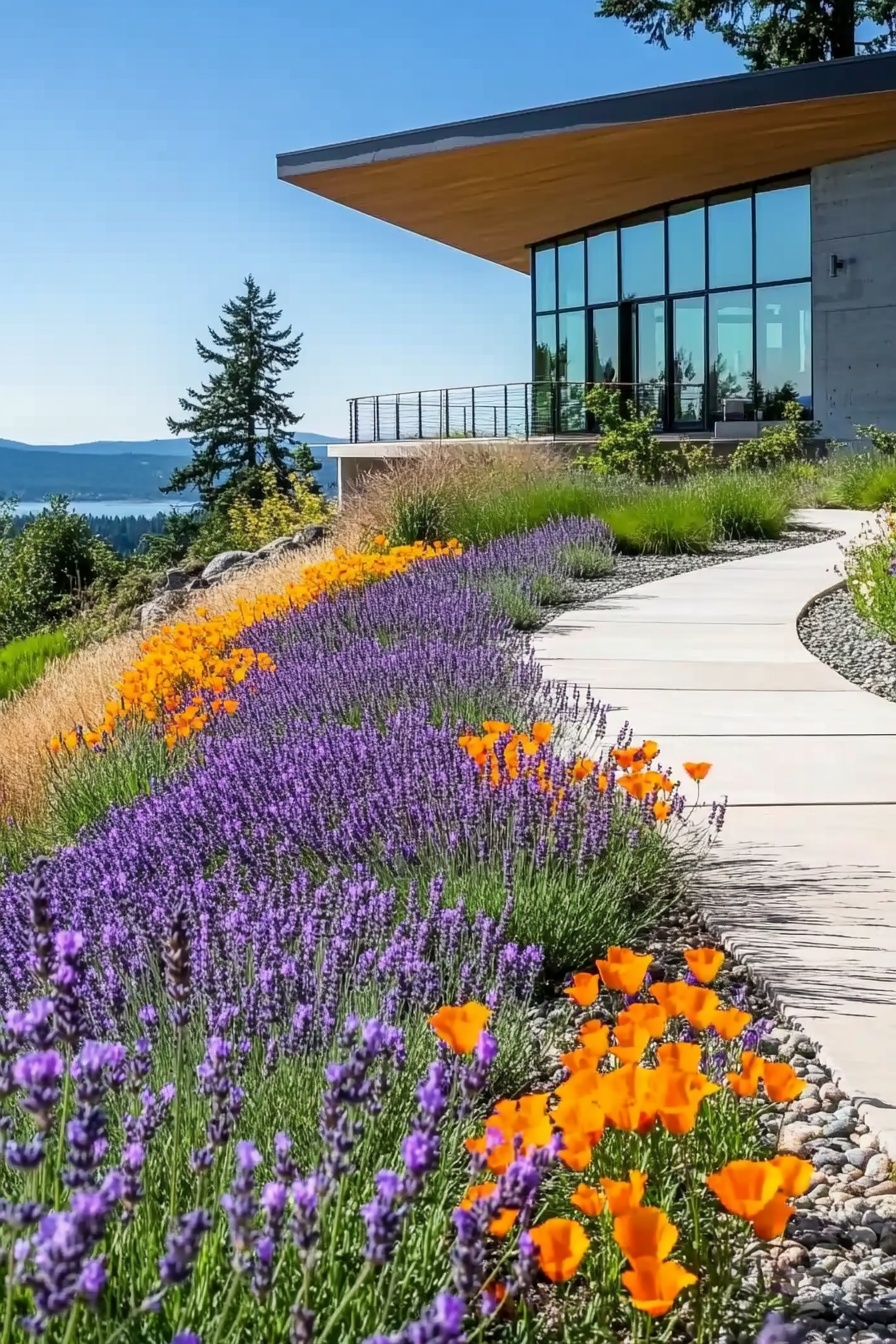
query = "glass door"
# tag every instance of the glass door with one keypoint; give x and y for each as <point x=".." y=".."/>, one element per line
<point x="650" y="351"/>
<point x="688" y="363"/>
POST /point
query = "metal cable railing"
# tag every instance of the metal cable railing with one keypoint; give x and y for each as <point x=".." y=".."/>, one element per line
<point x="511" y="410"/>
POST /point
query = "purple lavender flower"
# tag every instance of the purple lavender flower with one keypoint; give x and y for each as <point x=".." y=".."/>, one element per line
<point x="67" y="986"/>
<point x="240" y="1204"/>
<point x="303" y="1222"/>
<point x="176" y="965"/>
<point x="776" y="1329"/>
<point x="39" y="1075"/>
<point x="41" y="958"/>
<point x="182" y="1247"/>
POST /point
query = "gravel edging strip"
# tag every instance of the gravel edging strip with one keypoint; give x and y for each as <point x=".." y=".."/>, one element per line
<point x="834" y="633"/>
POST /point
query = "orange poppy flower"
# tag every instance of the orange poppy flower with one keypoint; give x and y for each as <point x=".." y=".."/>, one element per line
<point x="700" y="1006"/>
<point x="628" y="1096"/>
<point x="380" y="540"/>
<point x="631" y="1042"/>
<point x="623" y="1196"/>
<point x="623" y="969"/>
<point x="771" y="1220"/>
<point x="595" y="1039"/>
<point x="746" y="1083"/>
<point x="661" y="810"/>
<point x="584" y="989"/>
<point x="730" y="1022"/>
<point x="697" y="769"/>
<point x="680" y="1055"/>
<point x="649" y="749"/>
<point x="561" y="1244"/>
<point x="672" y="996"/>
<point x="503" y="1220"/>
<point x="704" y="963"/>
<point x="645" y="1232"/>
<point x="589" y="1200"/>
<point x="649" y="1016"/>
<point x="796" y="1174"/>
<point x="542" y="731"/>
<point x="625" y="757"/>
<point x="744" y="1187"/>
<point x="603" y="782"/>
<point x="527" y="1117"/>
<point x="781" y="1082"/>
<point x="655" y="1284"/>
<point x="635" y="786"/>
<point x="582" y="769"/>
<point x="679" y="1097"/>
<point x="581" y="1060"/>
<point x="461" y="1025"/>
<point x="495" y="727"/>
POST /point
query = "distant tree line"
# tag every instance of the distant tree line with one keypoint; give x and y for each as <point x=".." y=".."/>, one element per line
<point x="123" y="534"/>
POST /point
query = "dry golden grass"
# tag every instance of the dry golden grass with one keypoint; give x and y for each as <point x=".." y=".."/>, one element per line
<point x="74" y="690"/>
<point x="461" y="467"/>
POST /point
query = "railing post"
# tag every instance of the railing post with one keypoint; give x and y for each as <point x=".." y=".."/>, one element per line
<point x="526" y="387"/>
<point x="473" y="408"/>
<point x="397" y="424"/>
<point x="376" y="419"/>
<point x="447" y="413"/>
<point x="420" y="415"/>
<point x="505" y="411"/>
<point x="495" y="430"/>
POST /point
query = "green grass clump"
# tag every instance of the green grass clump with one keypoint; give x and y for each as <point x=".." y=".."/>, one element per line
<point x="862" y="481"/>
<point x="24" y="660"/>
<point x="660" y="520"/>
<point x="745" y="505"/>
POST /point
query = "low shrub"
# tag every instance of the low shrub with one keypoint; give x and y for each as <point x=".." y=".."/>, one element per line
<point x="883" y="441"/>
<point x="24" y="660"/>
<point x="746" y="505"/>
<point x="777" y="444"/>
<point x="628" y="445"/>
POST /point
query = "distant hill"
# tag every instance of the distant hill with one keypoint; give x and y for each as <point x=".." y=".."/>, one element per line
<point x="111" y="470"/>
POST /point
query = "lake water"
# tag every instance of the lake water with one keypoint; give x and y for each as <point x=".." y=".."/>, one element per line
<point x="107" y="508"/>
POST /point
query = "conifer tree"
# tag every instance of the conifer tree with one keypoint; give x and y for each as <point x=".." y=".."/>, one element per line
<point x="241" y="420"/>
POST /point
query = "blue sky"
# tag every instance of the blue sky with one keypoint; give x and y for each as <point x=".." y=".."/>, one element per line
<point x="138" y="149"/>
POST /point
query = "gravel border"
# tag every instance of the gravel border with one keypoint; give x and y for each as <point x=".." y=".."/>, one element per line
<point x="834" y="632"/>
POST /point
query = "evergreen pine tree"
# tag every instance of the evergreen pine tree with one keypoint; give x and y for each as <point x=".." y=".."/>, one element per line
<point x="240" y="420"/>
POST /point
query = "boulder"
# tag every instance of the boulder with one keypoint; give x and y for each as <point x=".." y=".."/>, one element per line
<point x="196" y="583"/>
<point x="224" y="561"/>
<point x="276" y="546"/>
<point x="175" y="579"/>
<point x="311" y="535"/>
<point x="161" y="609"/>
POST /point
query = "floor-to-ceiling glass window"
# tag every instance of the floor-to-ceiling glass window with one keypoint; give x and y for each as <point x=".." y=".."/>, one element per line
<point x="698" y="311"/>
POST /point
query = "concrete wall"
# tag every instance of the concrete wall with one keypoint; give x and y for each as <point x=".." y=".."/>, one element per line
<point x="854" y="313"/>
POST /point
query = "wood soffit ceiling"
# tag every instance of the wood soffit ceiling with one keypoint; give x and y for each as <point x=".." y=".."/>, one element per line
<point x="494" y="199"/>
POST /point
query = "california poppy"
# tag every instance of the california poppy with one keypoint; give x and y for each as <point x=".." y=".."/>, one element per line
<point x="655" y="1284"/>
<point x="671" y="995"/>
<point x="580" y="1060"/>
<point x="589" y="1200"/>
<point x="796" y="1174"/>
<point x="595" y="1039"/>
<point x="681" y="1055"/>
<point x="630" y="1042"/>
<point x="461" y="1025"/>
<point x="542" y="731"/>
<point x="730" y="1022"/>
<point x="704" y="963"/>
<point x="503" y="1221"/>
<point x="645" y="1232"/>
<point x="561" y="1244"/>
<point x="700" y="1006"/>
<point x="582" y="769"/>
<point x="584" y="989"/>
<point x="649" y="1016"/>
<point x="746" y="1083"/>
<point x="625" y="757"/>
<point x="697" y="769"/>
<point x="661" y="810"/>
<point x="772" y="1219"/>
<point x="623" y="1196"/>
<point x="629" y="1098"/>
<point x="496" y="726"/>
<point x="635" y="786"/>
<point x="744" y="1187"/>
<point x="781" y="1082"/>
<point x="679" y="1095"/>
<point x="623" y="969"/>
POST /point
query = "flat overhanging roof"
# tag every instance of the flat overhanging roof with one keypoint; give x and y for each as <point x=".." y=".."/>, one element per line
<point x="495" y="185"/>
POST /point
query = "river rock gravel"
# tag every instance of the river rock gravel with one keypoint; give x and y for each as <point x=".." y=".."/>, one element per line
<point x="834" y="632"/>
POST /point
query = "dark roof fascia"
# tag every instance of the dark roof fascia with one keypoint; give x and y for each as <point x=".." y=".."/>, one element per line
<point x="727" y="93"/>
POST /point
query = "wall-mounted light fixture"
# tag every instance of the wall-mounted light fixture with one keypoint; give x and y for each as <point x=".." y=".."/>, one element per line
<point x="837" y="264"/>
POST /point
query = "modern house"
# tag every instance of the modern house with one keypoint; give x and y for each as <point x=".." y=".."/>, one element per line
<point x="712" y="249"/>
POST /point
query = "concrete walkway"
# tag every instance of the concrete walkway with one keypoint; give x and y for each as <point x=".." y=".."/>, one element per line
<point x="803" y="884"/>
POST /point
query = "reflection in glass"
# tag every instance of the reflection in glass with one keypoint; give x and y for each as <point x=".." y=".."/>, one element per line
<point x="571" y="370"/>
<point x="783" y="348"/>
<point x="545" y="279"/>
<point x="730" y="241"/>
<point x="689" y="371"/>
<point x="603" y="285"/>
<point x="643" y="259"/>
<point x="730" y="348"/>
<point x="605" y="345"/>
<point x="687" y="247"/>
<point x="783" y="233"/>
<point x="651" y="348"/>
<point x="571" y="274"/>
<point x="545" y="349"/>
